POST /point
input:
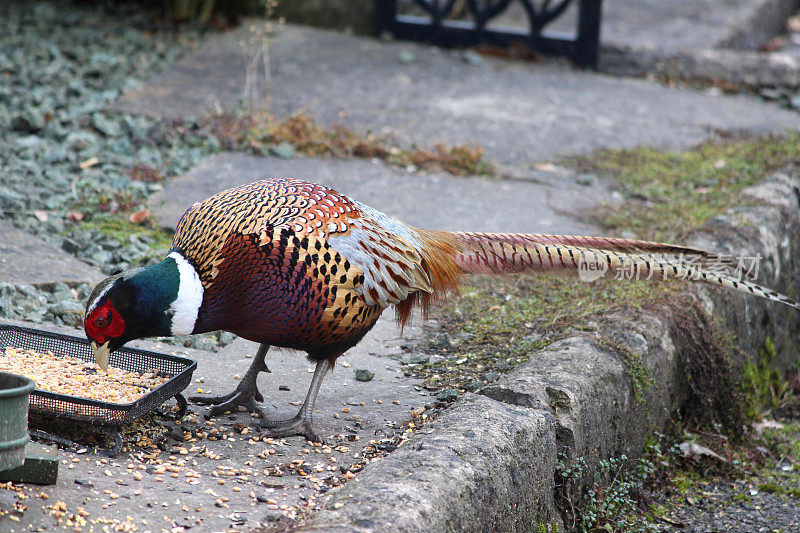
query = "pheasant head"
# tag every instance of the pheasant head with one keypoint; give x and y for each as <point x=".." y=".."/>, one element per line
<point x="158" y="300"/>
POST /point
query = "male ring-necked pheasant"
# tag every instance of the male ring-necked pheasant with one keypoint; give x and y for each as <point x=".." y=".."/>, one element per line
<point x="288" y="263"/>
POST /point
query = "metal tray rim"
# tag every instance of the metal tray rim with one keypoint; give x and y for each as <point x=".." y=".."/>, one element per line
<point x="183" y="377"/>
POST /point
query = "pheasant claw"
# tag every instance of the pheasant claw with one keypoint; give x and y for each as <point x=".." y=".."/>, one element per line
<point x="301" y="423"/>
<point x="290" y="428"/>
<point x="229" y="402"/>
<point x="245" y="395"/>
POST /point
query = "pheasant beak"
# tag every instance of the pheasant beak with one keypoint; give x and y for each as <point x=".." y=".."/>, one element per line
<point x="101" y="354"/>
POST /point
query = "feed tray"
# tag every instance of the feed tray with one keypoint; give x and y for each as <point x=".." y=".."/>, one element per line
<point x="178" y="369"/>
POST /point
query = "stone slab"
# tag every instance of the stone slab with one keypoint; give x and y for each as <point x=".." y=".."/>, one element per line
<point x="482" y="466"/>
<point x="599" y="412"/>
<point x="518" y="112"/>
<point x="161" y="503"/>
<point x="40" y="466"/>
<point x="26" y="259"/>
<point x="339" y="388"/>
<point x="432" y="201"/>
<point x="673" y="26"/>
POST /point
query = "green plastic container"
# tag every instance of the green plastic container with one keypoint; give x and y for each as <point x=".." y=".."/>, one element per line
<point x="14" y="393"/>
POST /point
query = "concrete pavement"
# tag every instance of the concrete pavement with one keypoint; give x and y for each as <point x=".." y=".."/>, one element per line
<point x="499" y="444"/>
<point x="518" y="112"/>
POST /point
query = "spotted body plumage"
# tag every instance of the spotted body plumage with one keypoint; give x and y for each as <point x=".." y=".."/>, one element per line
<point x="289" y="263"/>
<point x="299" y="265"/>
<point x="268" y="255"/>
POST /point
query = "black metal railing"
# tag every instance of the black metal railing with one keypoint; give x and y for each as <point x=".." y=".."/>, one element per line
<point x="438" y="26"/>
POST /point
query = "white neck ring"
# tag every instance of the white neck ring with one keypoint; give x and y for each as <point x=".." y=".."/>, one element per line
<point x="190" y="297"/>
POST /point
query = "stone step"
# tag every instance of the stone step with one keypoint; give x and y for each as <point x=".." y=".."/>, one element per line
<point x="353" y="426"/>
<point x="432" y="201"/>
<point x="40" y="466"/>
<point x="633" y="25"/>
<point x="25" y="259"/>
<point x="290" y="376"/>
<point x="518" y="112"/>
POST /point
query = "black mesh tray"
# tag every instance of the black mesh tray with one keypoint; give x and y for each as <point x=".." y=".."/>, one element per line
<point x="178" y="369"/>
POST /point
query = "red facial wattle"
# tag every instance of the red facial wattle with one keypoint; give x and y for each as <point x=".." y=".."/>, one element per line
<point x="114" y="325"/>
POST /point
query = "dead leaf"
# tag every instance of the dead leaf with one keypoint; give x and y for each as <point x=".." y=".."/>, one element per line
<point x="692" y="449"/>
<point x="515" y="50"/>
<point x="671" y="521"/>
<point x="147" y="174"/>
<point x="74" y="216"/>
<point x="88" y="163"/>
<point x="767" y="424"/>
<point x="41" y="216"/>
<point x="140" y="217"/>
<point x="773" y="44"/>
<point x="544" y="167"/>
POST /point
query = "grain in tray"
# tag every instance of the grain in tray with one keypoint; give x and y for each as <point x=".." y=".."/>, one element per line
<point x="76" y="377"/>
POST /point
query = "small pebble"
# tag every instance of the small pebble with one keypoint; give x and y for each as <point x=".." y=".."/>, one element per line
<point x="363" y="374"/>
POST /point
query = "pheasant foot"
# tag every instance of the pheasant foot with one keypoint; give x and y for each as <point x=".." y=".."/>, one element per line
<point x="301" y="423"/>
<point x="244" y="396"/>
<point x="246" y="393"/>
<point x="298" y="425"/>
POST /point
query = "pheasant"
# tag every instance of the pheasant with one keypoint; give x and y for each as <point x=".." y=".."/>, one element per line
<point x="288" y="263"/>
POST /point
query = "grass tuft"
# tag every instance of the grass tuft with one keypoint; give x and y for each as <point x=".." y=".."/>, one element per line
<point x="259" y="132"/>
<point x="497" y="322"/>
<point x="668" y="193"/>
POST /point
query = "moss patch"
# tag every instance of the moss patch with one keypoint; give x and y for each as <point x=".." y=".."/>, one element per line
<point x="497" y="322"/>
<point x="117" y="226"/>
<point x="263" y="134"/>
<point x="668" y="193"/>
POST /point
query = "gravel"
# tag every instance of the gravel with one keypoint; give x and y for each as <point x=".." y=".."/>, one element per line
<point x="59" y="304"/>
<point x="62" y="63"/>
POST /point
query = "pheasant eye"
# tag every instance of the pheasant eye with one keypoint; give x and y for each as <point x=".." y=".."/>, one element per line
<point x="102" y="322"/>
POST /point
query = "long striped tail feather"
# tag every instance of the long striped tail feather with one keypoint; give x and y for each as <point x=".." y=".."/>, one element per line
<point x="591" y="258"/>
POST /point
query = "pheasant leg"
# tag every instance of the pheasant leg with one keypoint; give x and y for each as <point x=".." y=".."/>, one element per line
<point x="246" y="393"/>
<point x="300" y="424"/>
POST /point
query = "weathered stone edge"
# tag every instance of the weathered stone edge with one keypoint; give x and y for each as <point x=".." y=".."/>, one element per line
<point x="488" y="462"/>
<point x="484" y="465"/>
<point x="733" y="59"/>
<point x="766" y="224"/>
<point x="742" y="68"/>
<point x="760" y="22"/>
